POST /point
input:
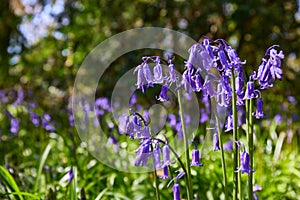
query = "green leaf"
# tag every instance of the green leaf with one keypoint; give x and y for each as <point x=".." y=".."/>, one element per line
<point x="10" y="182"/>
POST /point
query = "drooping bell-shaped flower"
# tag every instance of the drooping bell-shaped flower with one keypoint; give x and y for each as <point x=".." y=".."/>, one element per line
<point x="143" y="154"/>
<point x="176" y="191"/>
<point x="216" y="142"/>
<point x="259" y="112"/>
<point x="228" y="146"/>
<point x="165" y="173"/>
<point x="196" y="158"/>
<point x="147" y="74"/>
<point x="166" y="155"/>
<point x="171" y="68"/>
<point x="250" y="93"/>
<point x="195" y="58"/>
<point x="141" y="80"/>
<point x="229" y="123"/>
<point x="198" y="83"/>
<point x="245" y="163"/>
<point x="156" y="158"/>
<point x="157" y="72"/>
<point x="163" y="93"/>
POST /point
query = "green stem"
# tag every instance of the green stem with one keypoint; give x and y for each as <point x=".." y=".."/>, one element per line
<point x="156" y="185"/>
<point x="250" y="145"/>
<point x="186" y="147"/>
<point x="222" y="151"/>
<point x="235" y="139"/>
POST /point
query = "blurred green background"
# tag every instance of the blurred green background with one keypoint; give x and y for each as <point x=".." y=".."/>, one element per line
<point x="43" y="43"/>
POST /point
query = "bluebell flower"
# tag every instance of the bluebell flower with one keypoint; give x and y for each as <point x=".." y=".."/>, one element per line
<point x="176" y="191"/>
<point x="216" y="142"/>
<point x="14" y="129"/>
<point x="157" y="71"/>
<point x="147" y="74"/>
<point x="46" y="123"/>
<point x="20" y="97"/>
<point x="250" y="92"/>
<point x="209" y="89"/>
<point x="71" y="175"/>
<point x="143" y="153"/>
<point x="245" y="163"/>
<point x="259" y="112"/>
<point x="196" y="158"/>
<point x="165" y="173"/>
<point x="229" y="123"/>
<point x="156" y="158"/>
<point x="171" y="68"/>
<point x="163" y="94"/>
<point x="141" y="80"/>
<point x="228" y="146"/>
<point x="195" y="58"/>
<point x="166" y="155"/>
<point x="198" y="83"/>
<point x="34" y="118"/>
<point x="256" y="188"/>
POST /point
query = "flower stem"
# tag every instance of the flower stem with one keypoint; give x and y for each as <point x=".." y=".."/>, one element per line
<point x="222" y="151"/>
<point x="156" y="185"/>
<point x="155" y="180"/>
<point x="250" y="146"/>
<point x="235" y="139"/>
<point x="186" y="147"/>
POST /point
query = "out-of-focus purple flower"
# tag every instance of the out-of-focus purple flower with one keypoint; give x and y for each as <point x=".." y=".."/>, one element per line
<point x="176" y="191"/>
<point x="14" y="125"/>
<point x="143" y="153"/>
<point x="228" y="146"/>
<point x="178" y="128"/>
<point x="71" y="175"/>
<point x="3" y="97"/>
<point x="114" y="141"/>
<point x="292" y="99"/>
<point x="34" y="119"/>
<point x="250" y="93"/>
<point x="71" y="117"/>
<point x="20" y="97"/>
<point x="45" y="123"/>
<point x="278" y="118"/>
<point x="196" y="158"/>
<point x="172" y="120"/>
<point x="259" y="112"/>
<point x="156" y="158"/>
<point x="245" y="163"/>
<point x="229" y="123"/>
<point x="203" y="115"/>
<point x="216" y="142"/>
<point x="163" y="94"/>
<point x="103" y="102"/>
<point x="256" y="188"/>
<point x="165" y="173"/>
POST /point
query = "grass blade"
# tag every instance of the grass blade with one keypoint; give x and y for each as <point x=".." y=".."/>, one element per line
<point x="10" y="182"/>
<point x="41" y="166"/>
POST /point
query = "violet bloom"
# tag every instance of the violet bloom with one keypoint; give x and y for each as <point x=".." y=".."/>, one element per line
<point x="163" y="94"/>
<point x="259" y="112"/>
<point x="216" y="142"/>
<point x="228" y="146"/>
<point x="146" y="132"/>
<point x="176" y="191"/>
<point x="195" y="58"/>
<point x="229" y="123"/>
<point x="143" y="154"/>
<point x="147" y="74"/>
<point x="156" y="158"/>
<point x="209" y="88"/>
<point x="196" y="158"/>
<point x="34" y="119"/>
<point x="171" y="68"/>
<point x="71" y="175"/>
<point x="45" y="123"/>
<point x="20" y="97"/>
<point x="250" y="93"/>
<point x="165" y="173"/>
<point x="141" y="80"/>
<point x="157" y="72"/>
<point x="198" y="83"/>
<point x="71" y="117"/>
<point x="245" y="163"/>
<point x="256" y="188"/>
<point x="14" y="125"/>
<point x="166" y="155"/>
